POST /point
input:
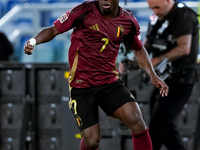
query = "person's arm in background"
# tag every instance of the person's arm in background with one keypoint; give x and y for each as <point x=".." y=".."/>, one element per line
<point x="145" y="62"/>
<point x="182" y="48"/>
<point x="45" y="35"/>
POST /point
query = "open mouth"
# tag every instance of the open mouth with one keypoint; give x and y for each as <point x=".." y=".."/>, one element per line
<point x="106" y="5"/>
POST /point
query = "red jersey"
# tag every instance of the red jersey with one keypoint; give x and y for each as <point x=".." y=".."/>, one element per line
<point x="95" y="43"/>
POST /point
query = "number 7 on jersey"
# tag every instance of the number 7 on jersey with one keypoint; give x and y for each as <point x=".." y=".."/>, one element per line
<point x="106" y="43"/>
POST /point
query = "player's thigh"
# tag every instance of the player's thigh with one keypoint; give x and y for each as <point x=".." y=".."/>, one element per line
<point x="130" y="114"/>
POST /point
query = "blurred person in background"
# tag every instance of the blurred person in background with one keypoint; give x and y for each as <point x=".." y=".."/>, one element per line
<point x="6" y="47"/>
<point x="98" y="29"/>
<point x="173" y="34"/>
<point x="199" y="32"/>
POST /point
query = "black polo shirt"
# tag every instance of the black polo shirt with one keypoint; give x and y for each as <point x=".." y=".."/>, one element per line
<point x="180" y="21"/>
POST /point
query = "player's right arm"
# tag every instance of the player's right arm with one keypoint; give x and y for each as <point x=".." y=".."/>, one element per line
<point x="45" y="35"/>
<point x="72" y="18"/>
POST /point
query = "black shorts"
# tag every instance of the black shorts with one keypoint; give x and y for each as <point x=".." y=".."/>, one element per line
<point x="84" y="102"/>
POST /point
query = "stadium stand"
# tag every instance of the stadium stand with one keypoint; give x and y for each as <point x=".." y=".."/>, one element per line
<point x="21" y="19"/>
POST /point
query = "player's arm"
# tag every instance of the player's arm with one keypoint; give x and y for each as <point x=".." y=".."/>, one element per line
<point x="182" y="48"/>
<point x="45" y="35"/>
<point x="145" y="42"/>
<point x="145" y="62"/>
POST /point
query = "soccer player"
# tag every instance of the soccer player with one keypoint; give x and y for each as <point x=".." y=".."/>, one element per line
<point x="98" y="29"/>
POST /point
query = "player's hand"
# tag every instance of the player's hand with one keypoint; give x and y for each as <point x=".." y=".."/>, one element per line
<point x="28" y="48"/>
<point x="161" y="85"/>
<point x="155" y="61"/>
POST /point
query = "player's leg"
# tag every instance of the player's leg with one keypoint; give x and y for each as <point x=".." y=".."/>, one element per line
<point x="130" y="115"/>
<point x="120" y="103"/>
<point x="85" y="110"/>
<point x="162" y="128"/>
<point x="90" y="138"/>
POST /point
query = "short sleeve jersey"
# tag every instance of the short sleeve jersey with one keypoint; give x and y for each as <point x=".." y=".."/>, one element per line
<point x="95" y="43"/>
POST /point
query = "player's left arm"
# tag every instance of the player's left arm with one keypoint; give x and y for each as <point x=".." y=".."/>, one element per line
<point x="144" y="61"/>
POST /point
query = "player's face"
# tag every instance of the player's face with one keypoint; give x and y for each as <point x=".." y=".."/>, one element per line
<point x="108" y="7"/>
<point x="159" y="7"/>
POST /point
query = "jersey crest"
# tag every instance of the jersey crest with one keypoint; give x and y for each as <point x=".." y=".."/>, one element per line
<point x="120" y="31"/>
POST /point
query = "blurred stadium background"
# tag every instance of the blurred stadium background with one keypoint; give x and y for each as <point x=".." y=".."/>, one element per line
<point x="34" y="91"/>
<point x="21" y="19"/>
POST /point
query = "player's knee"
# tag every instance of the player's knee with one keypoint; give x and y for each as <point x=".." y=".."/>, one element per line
<point x="138" y="125"/>
<point x="92" y="142"/>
